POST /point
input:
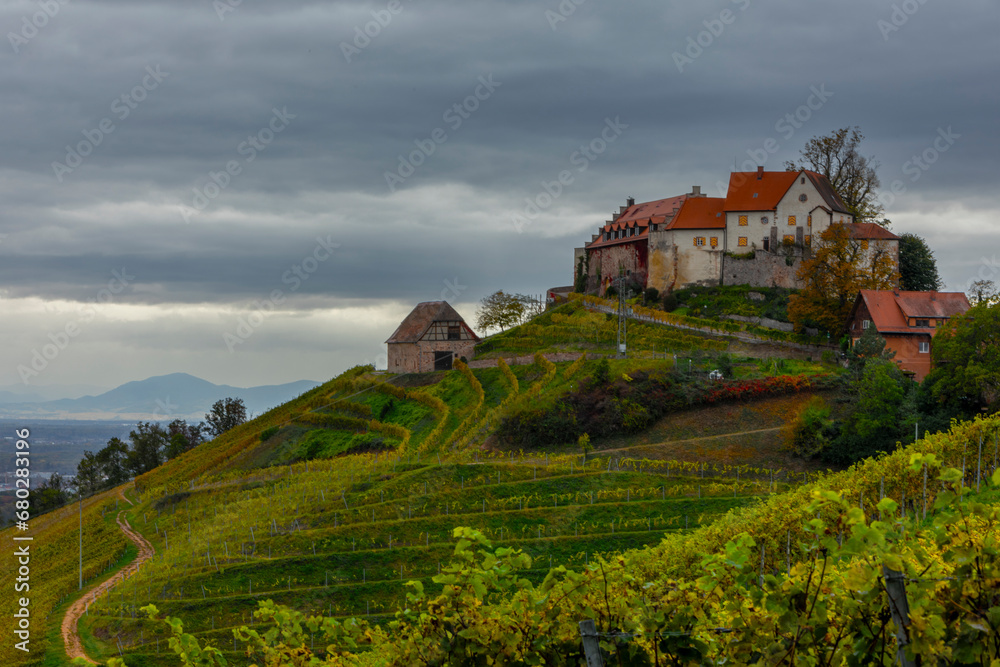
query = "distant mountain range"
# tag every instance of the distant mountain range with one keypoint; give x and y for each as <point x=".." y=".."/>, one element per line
<point x="161" y="398"/>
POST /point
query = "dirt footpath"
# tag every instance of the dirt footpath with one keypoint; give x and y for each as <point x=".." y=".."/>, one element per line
<point x="70" y="634"/>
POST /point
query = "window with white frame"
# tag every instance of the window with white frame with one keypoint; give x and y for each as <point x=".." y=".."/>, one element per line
<point x="925" y="347"/>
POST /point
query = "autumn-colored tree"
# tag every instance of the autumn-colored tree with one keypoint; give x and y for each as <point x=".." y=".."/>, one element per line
<point x="839" y="269"/>
<point x="852" y="175"/>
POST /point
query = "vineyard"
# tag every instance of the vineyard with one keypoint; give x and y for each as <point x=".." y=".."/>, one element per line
<point x="343" y="537"/>
<point x="894" y="561"/>
<point x="346" y="504"/>
<point x="574" y="327"/>
<point x="275" y="507"/>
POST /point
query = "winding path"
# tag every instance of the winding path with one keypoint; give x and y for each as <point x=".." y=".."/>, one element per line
<point x="70" y="634"/>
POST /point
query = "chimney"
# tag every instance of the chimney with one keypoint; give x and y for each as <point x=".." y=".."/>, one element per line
<point x="630" y="201"/>
<point x="696" y="191"/>
<point x="760" y="172"/>
<point x="933" y="296"/>
<point x="615" y="216"/>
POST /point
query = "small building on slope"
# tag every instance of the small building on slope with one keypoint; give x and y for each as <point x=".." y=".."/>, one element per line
<point x="907" y="321"/>
<point x="431" y="338"/>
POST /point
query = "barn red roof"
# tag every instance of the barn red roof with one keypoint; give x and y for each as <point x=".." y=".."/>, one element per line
<point x="422" y="317"/>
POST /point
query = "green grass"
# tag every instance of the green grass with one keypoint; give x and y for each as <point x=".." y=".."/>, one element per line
<point x="572" y="328"/>
<point x="714" y="302"/>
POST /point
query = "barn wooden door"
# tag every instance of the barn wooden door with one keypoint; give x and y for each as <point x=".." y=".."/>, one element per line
<point x="442" y="360"/>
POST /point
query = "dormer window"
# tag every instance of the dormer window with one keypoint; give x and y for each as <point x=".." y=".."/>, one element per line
<point x="923" y="323"/>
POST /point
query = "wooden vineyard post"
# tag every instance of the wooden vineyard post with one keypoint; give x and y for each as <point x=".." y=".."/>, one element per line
<point x="979" y="462"/>
<point x="591" y="645"/>
<point x="925" y="492"/>
<point x="895" y="586"/>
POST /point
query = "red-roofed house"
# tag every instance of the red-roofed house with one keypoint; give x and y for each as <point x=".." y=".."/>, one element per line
<point x="907" y="321"/>
<point x="756" y="235"/>
<point x="768" y="208"/>
<point x="622" y="243"/>
<point x="688" y="250"/>
<point x="431" y="337"/>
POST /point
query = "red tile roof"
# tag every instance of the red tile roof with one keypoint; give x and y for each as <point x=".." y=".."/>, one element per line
<point x="871" y="231"/>
<point x="660" y="208"/>
<point x="761" y="191"/>
<point x="889" y="310"/>
<point x="639" y="216"/>
<point x="753" y="191"/>
<point x="932" y="304"/>
<point x="700" y="213"/>
<point x="422" y="317"/>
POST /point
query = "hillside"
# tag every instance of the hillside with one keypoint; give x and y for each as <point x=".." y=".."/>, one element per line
<point x="333" y="502"/>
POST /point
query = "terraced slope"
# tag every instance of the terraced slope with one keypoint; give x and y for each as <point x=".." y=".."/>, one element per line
<point x="342" y="537"/>
<point x="283" y="505"/>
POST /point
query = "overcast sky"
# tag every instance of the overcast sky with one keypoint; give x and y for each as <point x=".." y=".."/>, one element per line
<point x="257" y="192"/>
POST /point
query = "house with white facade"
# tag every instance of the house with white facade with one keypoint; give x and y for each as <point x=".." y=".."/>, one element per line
<point x="758" y="234"/>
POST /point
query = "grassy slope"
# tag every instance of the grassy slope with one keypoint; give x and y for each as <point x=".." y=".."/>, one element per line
<point x="217" y="474"/>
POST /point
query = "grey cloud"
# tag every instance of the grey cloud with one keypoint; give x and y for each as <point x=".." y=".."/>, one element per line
<point x="324" y="173"/>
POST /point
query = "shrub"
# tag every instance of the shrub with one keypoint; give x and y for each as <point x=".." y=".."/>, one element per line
<point x="539" y="427"/>
<point x="811" y="430"/>
<point x="725" y="364"/>
<point x="602" y="372"/>
<point x="267" y="433"/>
<point x="669" y="302"/>
<point x="634" y="416"/>
<point x="651" y="295"/>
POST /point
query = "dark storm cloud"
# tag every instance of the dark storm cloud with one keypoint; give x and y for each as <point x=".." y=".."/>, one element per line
<point x="171" y="94"/>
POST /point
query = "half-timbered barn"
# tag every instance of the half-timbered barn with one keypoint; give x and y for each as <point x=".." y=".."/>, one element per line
<point x="431" y="338"/>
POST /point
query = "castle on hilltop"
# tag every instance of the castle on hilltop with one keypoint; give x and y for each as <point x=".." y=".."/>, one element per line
<point x="758" y="234"/>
